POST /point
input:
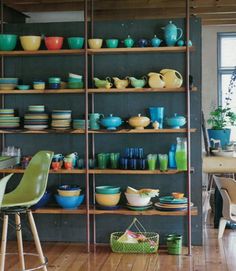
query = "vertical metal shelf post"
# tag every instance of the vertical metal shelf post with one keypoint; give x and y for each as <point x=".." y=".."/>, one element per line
<point x="93" y="135"/>
<point x="86" y="124"/>
<point x="189" y="216"/>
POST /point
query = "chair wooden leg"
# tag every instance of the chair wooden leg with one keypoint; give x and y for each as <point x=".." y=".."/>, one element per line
<point x="3" y="243"/>
<point x="221" y="227"/>
<point x="36" y="238"/>
<point x="19" y="241"/>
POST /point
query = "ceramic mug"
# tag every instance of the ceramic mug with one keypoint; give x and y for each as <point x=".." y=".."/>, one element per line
<point x="56" y="165"/>
<point x="68" y="165"/>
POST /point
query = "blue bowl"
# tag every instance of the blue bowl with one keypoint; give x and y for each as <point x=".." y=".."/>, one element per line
<point x="43" y="201"/>
<point x="9" y="81"/>
<point x="69" y="202"/>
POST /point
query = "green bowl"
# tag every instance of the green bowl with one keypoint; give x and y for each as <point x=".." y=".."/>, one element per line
<point x="74" y="80"/>
<point x="75" y="85"/>
<point x="107" y="189"/>
<point x="54" y="80"/>
<point x="23" y="87"/>
<point x="7" y="42"/>
<point x="112" y="43"/>
<point x="75" y="42"/>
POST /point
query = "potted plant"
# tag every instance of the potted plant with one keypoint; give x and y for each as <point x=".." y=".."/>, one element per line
<point x="220" y="119"/>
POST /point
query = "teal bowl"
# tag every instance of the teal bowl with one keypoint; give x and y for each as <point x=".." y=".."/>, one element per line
<point x="74" y="80"/>
<point x="74" y="85"/>
<point x="107" y="189"/>
<point x="7" y="42"/>
<point x="75" y="42"/>
<point x="23" y="87"/>
<point x="54" y="80"/>
<point x="112" y="43"/>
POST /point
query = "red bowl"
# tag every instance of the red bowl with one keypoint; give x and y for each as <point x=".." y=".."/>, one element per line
<point x="53" y="43"/>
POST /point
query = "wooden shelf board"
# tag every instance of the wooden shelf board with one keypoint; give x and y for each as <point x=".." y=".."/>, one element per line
<point x="138" y="90"/>
<point x="132" y="172"/>
<point x="43" y="91"/>
<point x="121" y="211"/>
<point x="46" y="131"/>
<point x="144" y="131"/>
<point x="42" y="52"/>
<point x="101" y="171"/>
<point x="60" y="171"/>
<point x="166" y="49"/>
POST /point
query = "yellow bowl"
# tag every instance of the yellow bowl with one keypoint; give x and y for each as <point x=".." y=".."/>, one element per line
<point x="30" y="43"/>
<point x="69" y="193"/>
<point x="177" y="195"/>
<point x="108" y="199"/>
<point x="95" y="43"/>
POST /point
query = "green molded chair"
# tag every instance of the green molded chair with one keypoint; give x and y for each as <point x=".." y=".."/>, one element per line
<point x="29" y="191"/>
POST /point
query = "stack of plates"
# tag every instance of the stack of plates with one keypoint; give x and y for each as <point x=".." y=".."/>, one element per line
<point x="8" y="83"/>
<point x="36" y="118"/>
<point x="79" y="124"/>
<point x="61" y="119"/>
<point x="8" y="119"/>
<point x="139" y="208"/>
<point x="168" y="203"/>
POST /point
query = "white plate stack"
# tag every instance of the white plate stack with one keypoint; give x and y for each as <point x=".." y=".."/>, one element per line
<point x="36" y="118"/>
<point x="61" y="119"/>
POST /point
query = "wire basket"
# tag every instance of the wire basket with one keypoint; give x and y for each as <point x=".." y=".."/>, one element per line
<point x="150" y="245"/>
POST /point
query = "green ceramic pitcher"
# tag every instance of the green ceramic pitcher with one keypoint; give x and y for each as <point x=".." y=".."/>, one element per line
<point x="94" y="120"/>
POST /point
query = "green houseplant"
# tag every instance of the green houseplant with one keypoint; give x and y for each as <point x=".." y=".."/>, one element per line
<point x="220" y="119"/>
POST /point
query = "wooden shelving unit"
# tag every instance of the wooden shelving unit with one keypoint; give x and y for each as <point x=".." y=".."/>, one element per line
<point x="122" y="211"/>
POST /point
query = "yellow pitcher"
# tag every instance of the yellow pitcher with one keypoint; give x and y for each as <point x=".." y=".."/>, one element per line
<point x="172" y="78"/>
<point x="156" y="80"/>
<point x="121" y="83"/>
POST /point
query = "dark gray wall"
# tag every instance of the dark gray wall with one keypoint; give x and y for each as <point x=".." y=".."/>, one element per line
<point x="72" y="228"/>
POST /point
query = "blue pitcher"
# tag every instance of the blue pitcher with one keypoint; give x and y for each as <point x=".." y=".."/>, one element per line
<point x="171" y="34"/>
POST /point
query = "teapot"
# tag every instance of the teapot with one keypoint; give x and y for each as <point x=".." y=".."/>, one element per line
<point x="129" y="42"/>
<point x="171" y="34"/>
<point x="156" y="80"/>
<point x="121" y="83"/>
<point x="103" y="83"/>
<point x="155" y="41"/>
<point x="172" y="78"/>
<point x="138" y="83"/>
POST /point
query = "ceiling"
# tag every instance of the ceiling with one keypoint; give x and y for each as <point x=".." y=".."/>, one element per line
<point x="211" y="11"/>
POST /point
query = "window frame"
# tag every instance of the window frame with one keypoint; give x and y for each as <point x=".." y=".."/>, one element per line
<point x="222" y="70"/>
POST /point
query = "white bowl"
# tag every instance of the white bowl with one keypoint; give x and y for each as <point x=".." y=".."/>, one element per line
<point x="137" y="200"/>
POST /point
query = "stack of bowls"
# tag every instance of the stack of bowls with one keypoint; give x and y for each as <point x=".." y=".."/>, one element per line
<point x="54" y="83"/>
<point x="79" y="124"/>
<point x="69" y="197"/>
<point x="8" y="83"/>
<point x="36" y="118"/>
<point x="75" y="81"/>
<point x="7" y="42"/>
<point x="107" y="197"/>
<point x="8" y="119"/>
<point x="61" y="119"/>
<point x="137" y="201"/>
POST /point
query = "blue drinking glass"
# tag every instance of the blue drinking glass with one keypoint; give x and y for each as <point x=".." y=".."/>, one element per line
<point x="157" y="114"/>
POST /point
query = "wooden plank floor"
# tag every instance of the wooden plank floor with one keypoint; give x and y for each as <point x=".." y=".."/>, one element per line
<point x="214" y="255"/>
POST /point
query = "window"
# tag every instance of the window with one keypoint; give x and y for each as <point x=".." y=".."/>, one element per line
<point x="226" y="66"/>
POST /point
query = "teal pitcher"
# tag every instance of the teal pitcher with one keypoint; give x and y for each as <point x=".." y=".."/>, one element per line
<point x="171" y="34"/>
<point x="94" y="120"/>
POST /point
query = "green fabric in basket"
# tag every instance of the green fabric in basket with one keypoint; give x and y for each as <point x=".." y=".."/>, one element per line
<point x="150" y="246"/>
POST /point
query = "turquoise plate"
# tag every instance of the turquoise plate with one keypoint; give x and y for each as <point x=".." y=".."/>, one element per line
<point x="171" y="200"/>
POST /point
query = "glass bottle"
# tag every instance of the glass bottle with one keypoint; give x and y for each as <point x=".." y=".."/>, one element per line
<point x="181" y="153"/>
<point x="172" y="163"/>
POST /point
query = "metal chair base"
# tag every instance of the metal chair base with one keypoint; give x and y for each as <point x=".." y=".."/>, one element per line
<point x="32" y="255"/>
